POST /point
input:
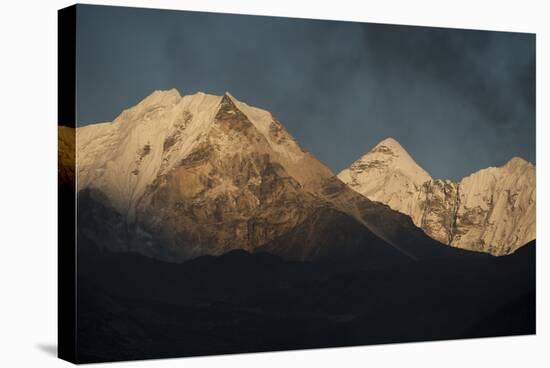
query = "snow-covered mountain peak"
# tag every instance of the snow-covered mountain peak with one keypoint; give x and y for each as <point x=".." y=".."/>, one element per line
<point x="390" y="144"/>
<point x="491" y="210"/>
<point x="517" y="163"/>
<point x="386" y="158"/>
<point x="200" y="156"/>
<point x="150" y="107"/>
<point x="160" y="98"/>
<point x="149" y="140"/>
<point x="387" y="174"/>
<point x="392" y="152"/>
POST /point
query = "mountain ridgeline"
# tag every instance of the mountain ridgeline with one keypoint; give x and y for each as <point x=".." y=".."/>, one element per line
<point x="203" y="227"/>
<point x="177" y="177"/>
<point x="492" y="210"/>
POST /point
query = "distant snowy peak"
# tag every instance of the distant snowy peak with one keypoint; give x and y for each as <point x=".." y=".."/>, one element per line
<point x="387" y="174"/>
<point x="391" y="147"/>
<point x="517" y="163"/>
<point x="386" y="157"/>
<point x="391" y="153"/>
<point x="491" y="210"/>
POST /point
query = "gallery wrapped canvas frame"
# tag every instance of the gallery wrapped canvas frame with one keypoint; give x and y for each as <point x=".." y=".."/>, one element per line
<point x="233" y="184"/>
<point x="66" y="226"/>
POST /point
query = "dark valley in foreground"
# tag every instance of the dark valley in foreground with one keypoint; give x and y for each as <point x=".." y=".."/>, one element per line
<point x="136" y="307"/>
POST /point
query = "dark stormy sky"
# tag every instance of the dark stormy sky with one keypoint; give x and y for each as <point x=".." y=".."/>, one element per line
<point x="457" y="100"/>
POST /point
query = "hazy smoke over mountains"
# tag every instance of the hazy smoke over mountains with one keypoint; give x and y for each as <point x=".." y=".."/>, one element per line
<point x="457" y="100"/>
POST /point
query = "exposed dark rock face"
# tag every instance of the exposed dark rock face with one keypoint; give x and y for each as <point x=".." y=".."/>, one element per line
<point x="439" y="209"/>
<point x="490" y="211"/>
<point x="180" y="124"/>
<point x="212" y="206"/>
<point x="141" y="153"/>
<point x="225" y="194"/>
<point x="393" y="227"/>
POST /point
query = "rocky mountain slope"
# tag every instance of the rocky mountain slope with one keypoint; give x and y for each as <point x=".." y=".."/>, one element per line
<point x="178" y="177"/>
<point x="492" y="210"/>
<point x="387" y="174"/>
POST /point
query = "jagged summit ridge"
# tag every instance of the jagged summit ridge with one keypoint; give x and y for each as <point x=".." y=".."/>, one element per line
<point x="390" y="145"/>
<point x="153" y="136"/>
<point x="209" y="173"/>
<point x="492" y="210"/>
<point x="390" y="155"/>
<point x="387" y="174"/>
<point x="202" y="173"/>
